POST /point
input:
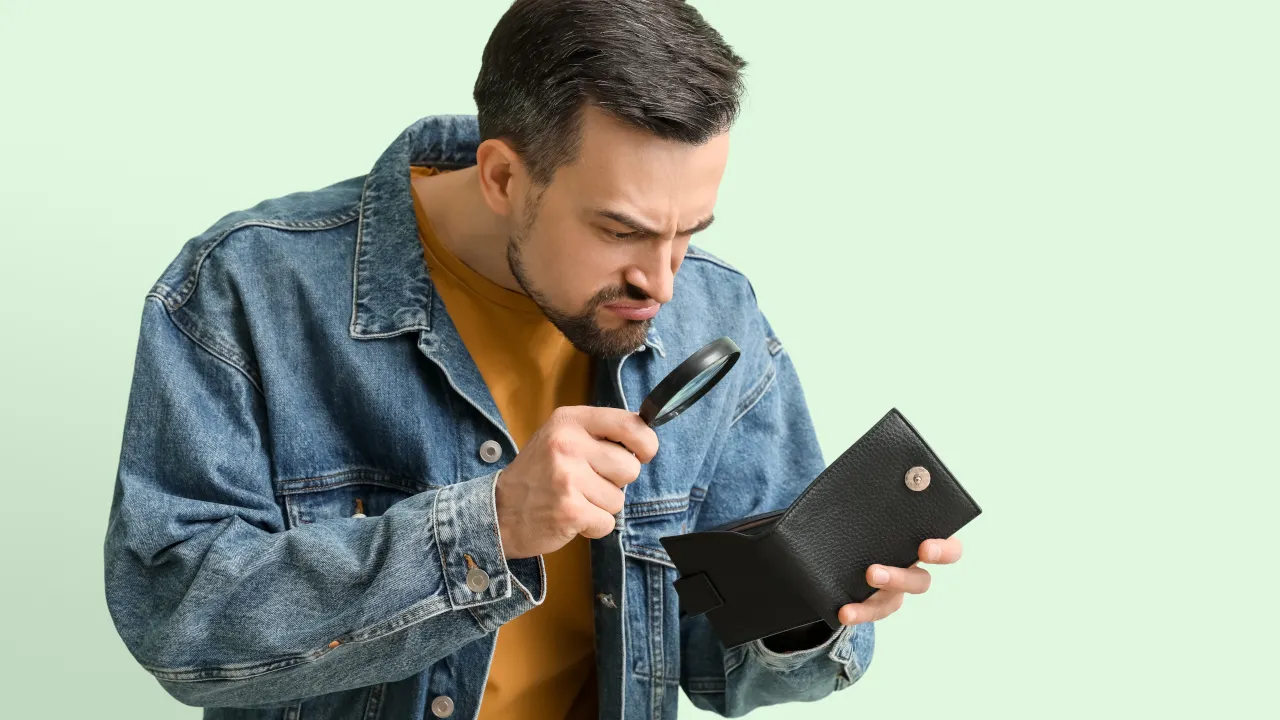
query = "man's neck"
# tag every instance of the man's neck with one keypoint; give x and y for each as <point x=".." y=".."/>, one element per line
<point x="465" y="225"/>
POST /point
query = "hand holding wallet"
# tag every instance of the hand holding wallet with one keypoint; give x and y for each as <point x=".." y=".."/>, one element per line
<point x="776" y="571"/>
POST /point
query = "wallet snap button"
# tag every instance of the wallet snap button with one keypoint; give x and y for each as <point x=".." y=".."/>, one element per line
<point x="917" y="478"/>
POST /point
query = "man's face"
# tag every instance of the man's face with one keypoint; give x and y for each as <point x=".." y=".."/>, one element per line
<point x="598" y="248"/>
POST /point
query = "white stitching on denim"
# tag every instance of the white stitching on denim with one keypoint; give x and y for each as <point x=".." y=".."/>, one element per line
<point x="762" y="386"/>
<point x="416" y="613"/>
<point x="641" y="552"/>
<point x="373" y="706"/>
<point x="657" y="650"/>
<point x="355" y="263"/>
<point x="188" y="286"/>
<point x="701" y="255"/>
<point x="199" y="343"/>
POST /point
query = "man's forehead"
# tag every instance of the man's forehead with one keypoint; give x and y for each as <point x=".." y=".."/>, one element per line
<point x="629" y="169"/>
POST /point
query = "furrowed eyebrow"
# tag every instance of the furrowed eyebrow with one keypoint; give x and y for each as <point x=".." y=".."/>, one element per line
<point x="641" y="228"/>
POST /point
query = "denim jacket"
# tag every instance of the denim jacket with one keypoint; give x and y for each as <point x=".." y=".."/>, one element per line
<point x="294" y="358"/>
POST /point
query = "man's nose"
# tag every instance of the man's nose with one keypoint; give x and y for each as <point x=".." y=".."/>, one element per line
<point x="656" y="276"/>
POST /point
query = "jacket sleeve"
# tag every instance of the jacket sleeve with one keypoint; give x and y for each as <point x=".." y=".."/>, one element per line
<point x="770" y="447"/>
<point x="224" y="605"/>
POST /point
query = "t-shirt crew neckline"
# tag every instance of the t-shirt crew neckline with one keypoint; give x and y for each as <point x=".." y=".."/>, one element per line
<point x="443" y="259"/>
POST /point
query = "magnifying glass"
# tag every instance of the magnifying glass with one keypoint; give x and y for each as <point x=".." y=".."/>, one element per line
<point x="691" y="379"/>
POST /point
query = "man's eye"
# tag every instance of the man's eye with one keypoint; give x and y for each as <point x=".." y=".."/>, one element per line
<point x="626" y="235"/>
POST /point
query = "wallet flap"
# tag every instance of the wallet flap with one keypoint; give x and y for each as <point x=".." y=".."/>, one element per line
<point x="697" y="594"/>
<point x="754" y="597"/>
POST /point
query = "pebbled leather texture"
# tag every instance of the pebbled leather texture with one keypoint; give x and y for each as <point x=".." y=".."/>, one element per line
<point x="773" y="572"/>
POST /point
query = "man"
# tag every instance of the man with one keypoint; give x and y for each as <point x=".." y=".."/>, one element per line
<point x="381" y="457"/>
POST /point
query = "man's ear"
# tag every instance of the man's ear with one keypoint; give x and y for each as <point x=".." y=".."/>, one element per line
<point x="501" y="175"/>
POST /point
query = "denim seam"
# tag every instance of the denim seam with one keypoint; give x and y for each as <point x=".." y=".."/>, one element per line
<point x="742" y="659"/>
<point x="700" y="255"/>
<point x="373" y="705"/>
<point x="705" y="686"/>
<point x="183" y="293"/>
<point x="655" y="678"/>
<point x="647" y="554"/>
<point x="753" y="396"/>
<point x="416" y="613"/>
<point x="659" y="507"/>
<point x="657" y="653"/>
<point x="249" y="375"/>
<point x="343" y="478"/>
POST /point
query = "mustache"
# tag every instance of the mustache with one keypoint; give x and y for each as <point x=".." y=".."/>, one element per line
<point x="615" y="293"/>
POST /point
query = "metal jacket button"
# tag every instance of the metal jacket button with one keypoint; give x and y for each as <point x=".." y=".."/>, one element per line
<point x="490" y="451"/>
<point x="442" y="706"/>
<point x="477" y="580"/>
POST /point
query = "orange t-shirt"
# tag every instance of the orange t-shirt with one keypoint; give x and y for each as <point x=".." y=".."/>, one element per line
<point x="544" y="665"/>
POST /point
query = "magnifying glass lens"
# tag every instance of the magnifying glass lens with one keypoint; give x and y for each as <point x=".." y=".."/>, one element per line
<point x="693" y="386"/>
<point x="689" y="381"/>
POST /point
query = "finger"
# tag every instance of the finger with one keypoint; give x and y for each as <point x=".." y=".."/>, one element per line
<point x="604" y="494"/>
<point x="940" y="552"/>
<point x="914" y="580"/>
<point x="613" y="462"/>
<point x="596" y="523"/>
<point x="622" y="427"/>
<point x="879" y="606"/>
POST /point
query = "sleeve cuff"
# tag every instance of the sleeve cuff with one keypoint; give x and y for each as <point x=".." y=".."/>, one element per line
<point x="850" y="647"/>
<point x="785" y="661"/>
<point x="475" y="573"/>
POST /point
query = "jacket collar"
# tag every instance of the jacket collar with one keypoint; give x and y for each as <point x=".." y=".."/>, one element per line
<point x="391" y="289"/>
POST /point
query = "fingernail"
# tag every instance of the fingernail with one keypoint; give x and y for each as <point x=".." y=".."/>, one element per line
<point x="935" y="552"/>
<point x="879" y="576"/>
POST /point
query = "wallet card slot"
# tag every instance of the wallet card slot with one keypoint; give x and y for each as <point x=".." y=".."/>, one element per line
<point x="751" y="524"/>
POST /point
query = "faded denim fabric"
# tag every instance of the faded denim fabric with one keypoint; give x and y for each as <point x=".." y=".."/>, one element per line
<point x="294" y="358"/>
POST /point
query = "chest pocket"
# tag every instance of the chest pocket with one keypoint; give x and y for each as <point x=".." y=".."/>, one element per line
<point x="345" y="495"/>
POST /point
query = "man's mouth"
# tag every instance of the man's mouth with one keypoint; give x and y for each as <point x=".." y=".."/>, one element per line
<point x="634" y="311"/>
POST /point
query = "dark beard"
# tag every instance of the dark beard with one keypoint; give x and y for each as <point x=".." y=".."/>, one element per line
<point x="581" y="329"/>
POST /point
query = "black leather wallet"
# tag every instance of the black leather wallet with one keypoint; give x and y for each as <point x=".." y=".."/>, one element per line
<point x="773" y="572"/>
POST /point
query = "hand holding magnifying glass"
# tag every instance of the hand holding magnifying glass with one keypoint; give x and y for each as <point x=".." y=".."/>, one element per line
<point x="567" y="481"/>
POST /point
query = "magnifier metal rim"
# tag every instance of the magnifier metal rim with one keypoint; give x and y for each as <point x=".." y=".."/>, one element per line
<point x="719" y="349"/>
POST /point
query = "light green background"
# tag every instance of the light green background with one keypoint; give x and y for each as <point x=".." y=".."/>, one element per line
<point x="1046" y="232"/>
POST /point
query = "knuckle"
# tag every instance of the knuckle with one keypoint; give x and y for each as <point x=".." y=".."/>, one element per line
<point x="599" y="529"/>
<point x="561" y="479"/>
<point x="559" y="442"/>
<point x="570" y="516"/>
